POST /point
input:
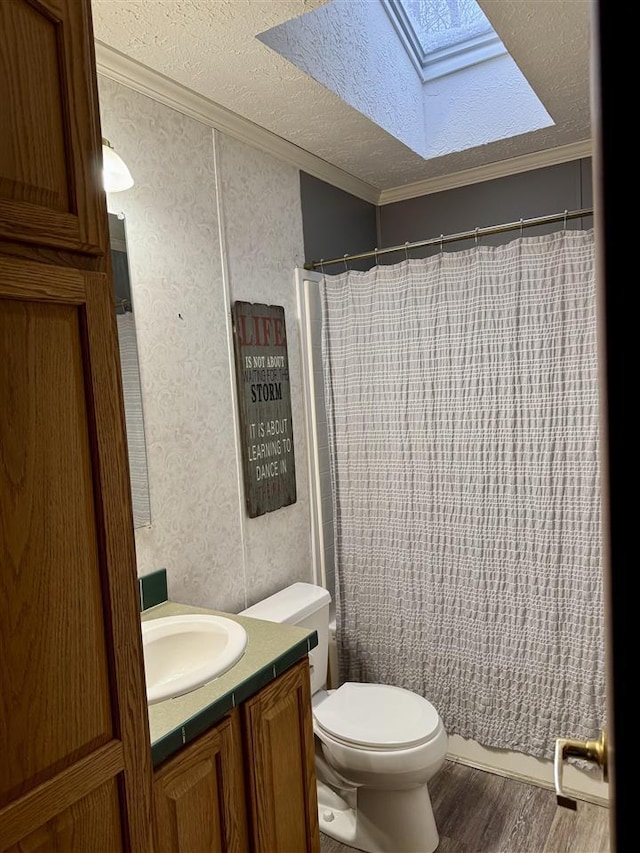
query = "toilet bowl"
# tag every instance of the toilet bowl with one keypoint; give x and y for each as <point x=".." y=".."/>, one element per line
<point x="380" y="744"/>
<point x="377" y="745"/>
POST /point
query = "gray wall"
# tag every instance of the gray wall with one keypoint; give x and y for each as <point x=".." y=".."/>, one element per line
<point x="335" y="222"/>
<point x="537" y="193"/>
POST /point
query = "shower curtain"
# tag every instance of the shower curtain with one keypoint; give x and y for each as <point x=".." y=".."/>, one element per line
<point x="462" y="408"/>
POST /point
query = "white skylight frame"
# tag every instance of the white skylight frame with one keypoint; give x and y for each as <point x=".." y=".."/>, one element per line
<point x="465" y="102"/>
<point x="433" y="64"/>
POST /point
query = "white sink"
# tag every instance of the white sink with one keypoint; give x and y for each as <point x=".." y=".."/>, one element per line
<point x="181" y="653"/>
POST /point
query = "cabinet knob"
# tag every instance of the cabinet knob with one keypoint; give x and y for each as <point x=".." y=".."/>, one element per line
<point x="589" y="750"/>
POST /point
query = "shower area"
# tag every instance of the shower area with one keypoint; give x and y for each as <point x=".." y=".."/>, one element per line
<point x="451" y="404"/>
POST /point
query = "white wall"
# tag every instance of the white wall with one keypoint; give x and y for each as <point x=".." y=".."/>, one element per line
<point x="478" y="105"/>
<point x="209" y="220"/>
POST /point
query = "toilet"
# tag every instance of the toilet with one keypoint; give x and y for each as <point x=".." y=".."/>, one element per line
<point x="377" y="746"/>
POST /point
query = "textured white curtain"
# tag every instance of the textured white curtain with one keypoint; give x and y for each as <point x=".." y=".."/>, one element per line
<point x="462" y="403"/>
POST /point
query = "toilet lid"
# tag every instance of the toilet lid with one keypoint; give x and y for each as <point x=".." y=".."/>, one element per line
<point x="378" y="716"/>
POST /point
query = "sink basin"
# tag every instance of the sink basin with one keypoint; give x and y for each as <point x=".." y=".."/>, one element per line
<point x="181" y="653"/>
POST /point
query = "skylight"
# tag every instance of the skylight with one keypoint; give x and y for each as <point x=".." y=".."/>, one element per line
<point x="444" y="23"/>
<point x="443" y="36"/>
<point x="432" y="73"/>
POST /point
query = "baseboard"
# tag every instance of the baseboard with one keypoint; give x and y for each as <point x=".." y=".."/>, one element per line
<point x="578" y="784"/>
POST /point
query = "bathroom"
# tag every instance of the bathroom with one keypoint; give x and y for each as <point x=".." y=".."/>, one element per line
<point x="215" y="217"/>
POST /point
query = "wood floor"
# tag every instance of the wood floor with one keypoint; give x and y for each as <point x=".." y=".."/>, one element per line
<point x="479" y="812"/>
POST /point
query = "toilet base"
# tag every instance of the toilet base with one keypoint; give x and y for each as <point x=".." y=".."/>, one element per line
<point x="379" y="821"/>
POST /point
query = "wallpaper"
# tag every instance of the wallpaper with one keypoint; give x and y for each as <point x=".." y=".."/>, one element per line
<point x="262" y="226"/>
<point x="214" y="556"/>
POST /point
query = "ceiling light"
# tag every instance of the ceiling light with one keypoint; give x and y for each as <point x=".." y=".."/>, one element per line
<point x="115" y="174"/>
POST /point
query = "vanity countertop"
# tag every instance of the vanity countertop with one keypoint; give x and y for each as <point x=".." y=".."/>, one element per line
<point x="271" y="649"/>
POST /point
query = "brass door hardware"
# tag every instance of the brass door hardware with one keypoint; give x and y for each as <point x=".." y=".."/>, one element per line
<point x="588" y="750"/>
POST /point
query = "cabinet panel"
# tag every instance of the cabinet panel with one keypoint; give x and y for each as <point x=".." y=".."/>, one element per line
<point x="199" y="796"/>
<point x="55" y="700"/>
<point x="26" y="176"/>
<point x="49" y="188"/>
<point x="281" y="765"/>
<point x="72" y="699"/>
<point x="90" y="824"/>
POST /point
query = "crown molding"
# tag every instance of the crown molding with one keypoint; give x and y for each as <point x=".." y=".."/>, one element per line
<point x="501" y="169"/>
<point x="121" y="68"/>
<point x="117" y="66"/>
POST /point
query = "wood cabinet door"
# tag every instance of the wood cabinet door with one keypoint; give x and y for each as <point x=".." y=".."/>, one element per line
<point x="50" y="143"/>
<point x="75" y="759"/>
<point x="199" y="798"/>
<point x="75" y="765"/>
<point x="280" y="756"/>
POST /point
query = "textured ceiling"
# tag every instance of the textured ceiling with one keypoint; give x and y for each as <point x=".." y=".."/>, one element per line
<point x="210" y="46"/>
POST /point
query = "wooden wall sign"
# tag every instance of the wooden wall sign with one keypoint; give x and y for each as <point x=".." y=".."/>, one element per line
<point x="264" y="400"/>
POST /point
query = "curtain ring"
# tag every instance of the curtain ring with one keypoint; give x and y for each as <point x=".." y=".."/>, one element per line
<point x="322" y="265"/>
<point x="565" y="219"/>
<point x="406" y="250"/>
<point x="375" y="252"/>
<point x="521" y="227"/>
<point x="441" y="243"/>
<point x="477" y="229"/>
<point x="346" y="265"/>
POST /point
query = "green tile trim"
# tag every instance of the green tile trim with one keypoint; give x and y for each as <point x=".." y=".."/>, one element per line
<point x="292" y="656"/>
<point x="250" y="686"/>
<point x="208" y="717"/>
<point x="168" y="745"/>
<point x="153" y="589"/>
<point x="193" y="727"/>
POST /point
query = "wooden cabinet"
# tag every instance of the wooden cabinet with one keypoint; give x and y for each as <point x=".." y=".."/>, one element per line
<point x="198" y="795"/>
<point x="75" y="768"/>
<point x="249" y="783"/>
<point x="50" y="152"/>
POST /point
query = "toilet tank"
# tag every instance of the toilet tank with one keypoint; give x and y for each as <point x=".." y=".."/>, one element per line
<point x="307" y="606"/>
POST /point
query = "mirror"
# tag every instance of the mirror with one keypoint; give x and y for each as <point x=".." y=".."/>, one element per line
<point x="130" y="369"/>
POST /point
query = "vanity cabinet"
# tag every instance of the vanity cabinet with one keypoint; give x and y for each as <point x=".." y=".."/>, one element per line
<point x="281" y="774"/>
<point x="249" y="783"/>
<point x="198" y="795"/>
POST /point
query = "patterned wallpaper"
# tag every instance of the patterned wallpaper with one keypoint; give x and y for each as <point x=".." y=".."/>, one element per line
<point x="262" y="226"/>
<point x="214" y="555"/>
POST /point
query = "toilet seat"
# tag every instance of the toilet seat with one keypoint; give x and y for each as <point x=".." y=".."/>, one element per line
<point x="377" y="717"/>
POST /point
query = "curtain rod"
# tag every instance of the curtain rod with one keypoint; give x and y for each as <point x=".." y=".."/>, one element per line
<point x="453" y="238"/>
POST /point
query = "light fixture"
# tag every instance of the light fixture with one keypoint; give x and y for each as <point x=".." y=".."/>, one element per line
<point x="115" y="174"/>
